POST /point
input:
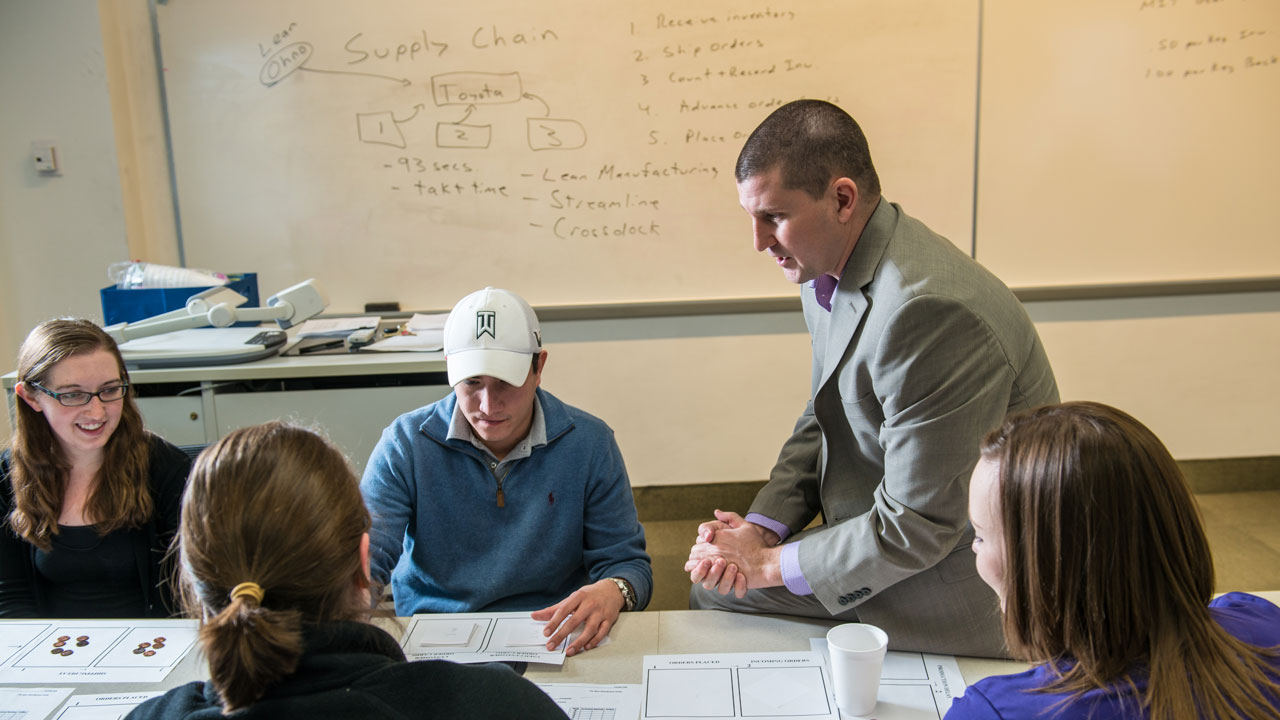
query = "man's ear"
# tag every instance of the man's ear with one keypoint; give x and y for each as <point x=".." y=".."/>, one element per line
<point x="846" y="192"/>
<point x="542" y="361"/>
<point x="22" y="391"/>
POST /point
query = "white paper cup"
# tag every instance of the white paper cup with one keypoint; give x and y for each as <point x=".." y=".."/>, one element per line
<point x="857" y="655"/>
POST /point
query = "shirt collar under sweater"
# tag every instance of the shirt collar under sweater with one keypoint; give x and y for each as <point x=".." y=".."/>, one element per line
<point x="460" y="429"/>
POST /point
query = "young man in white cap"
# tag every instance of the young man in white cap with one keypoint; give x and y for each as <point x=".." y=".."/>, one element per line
<point x="501" y="497"/>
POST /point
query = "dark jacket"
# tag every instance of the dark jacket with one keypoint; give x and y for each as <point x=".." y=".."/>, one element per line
<point x="355" y="670"/>
<point x="23" y="590"/>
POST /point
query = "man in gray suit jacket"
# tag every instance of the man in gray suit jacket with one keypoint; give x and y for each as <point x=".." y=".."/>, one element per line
<point x="917" y="352"/>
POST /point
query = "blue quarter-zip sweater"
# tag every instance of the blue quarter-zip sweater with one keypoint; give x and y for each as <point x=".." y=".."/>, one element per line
<point x="568" y="517"/>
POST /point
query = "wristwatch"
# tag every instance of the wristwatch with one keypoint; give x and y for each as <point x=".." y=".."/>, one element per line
<point x="628" y="595"/>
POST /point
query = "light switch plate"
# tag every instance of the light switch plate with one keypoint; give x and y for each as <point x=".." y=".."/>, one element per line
<point x="44" y="156"/>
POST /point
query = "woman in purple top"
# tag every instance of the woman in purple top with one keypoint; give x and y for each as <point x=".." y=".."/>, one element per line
<point x="1087" y="531"/>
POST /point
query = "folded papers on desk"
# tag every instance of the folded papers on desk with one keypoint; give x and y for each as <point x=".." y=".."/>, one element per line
<point x="422" y="333"/>
<point x="336" y="327"/>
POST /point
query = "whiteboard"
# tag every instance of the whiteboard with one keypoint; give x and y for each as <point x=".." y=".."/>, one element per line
<point x="575" y="152"/>
<point x="1129" y="141"/>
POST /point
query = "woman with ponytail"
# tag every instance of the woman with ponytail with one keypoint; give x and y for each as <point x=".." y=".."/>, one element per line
<point x="1091" y="538"/>
<point x="88" y="498"/>
<point x="273" y="548"/>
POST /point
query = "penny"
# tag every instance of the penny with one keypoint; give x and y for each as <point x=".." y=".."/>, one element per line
<point x="144" y="644"/>
<point x="67" y="652"/>
<point x="82" y="638"/>
<point x="60" y="643"/>
<point x="160" y="639"/>
<point x="137" y="651"/>
<point x="63" y="638"/>
<point x="82" y="643"/>
<point x="157" y="646"/>
<point x="148" y="653"/>
<point x="56" y="651"/>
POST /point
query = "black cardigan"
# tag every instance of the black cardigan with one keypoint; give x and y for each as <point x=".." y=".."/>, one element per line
<point x="22" y="589"/>
<point x="355" y="670"/>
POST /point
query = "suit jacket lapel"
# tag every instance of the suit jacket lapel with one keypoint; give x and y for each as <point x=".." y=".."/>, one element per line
<point x="846" y="314"/>
<point x="849" y="303"/>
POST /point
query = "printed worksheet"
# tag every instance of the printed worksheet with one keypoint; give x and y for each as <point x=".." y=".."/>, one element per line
<point x="583" y="701"/>
<point x="759" y="686"/>
<point x="479" y="637"/>
<point x="99" y="651"/>
<point x="103" y="707"/>
<point x="913" y="686"/>
<point x="30" y="703"/>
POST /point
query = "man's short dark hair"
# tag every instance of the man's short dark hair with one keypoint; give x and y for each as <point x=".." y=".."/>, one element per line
<point x="812" y="142"/>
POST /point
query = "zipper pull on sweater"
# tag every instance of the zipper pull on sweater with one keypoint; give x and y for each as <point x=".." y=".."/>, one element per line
<point x="502" y="500"/>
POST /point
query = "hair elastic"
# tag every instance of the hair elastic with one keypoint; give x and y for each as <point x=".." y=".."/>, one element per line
<point x="253" y="590"/>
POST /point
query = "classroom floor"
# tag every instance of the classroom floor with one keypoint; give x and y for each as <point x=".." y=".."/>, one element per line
<point x="1243" y="528"/>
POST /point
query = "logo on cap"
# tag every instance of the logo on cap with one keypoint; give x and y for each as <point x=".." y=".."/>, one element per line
<point x="486" y="323"/>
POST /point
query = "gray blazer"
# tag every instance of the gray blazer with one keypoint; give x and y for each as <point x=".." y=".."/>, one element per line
<point x="922" y="353"/>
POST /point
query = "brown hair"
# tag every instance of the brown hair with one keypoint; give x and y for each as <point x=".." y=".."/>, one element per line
<point x="1107" y="568"/>
<point x="278" y="506"/>
<point x="120" y="496"/>
<point x="813" y="142"/>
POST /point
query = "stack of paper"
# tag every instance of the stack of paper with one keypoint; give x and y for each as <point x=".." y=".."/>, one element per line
<point x="335" y="327"/>
<point x="423" y="333"/>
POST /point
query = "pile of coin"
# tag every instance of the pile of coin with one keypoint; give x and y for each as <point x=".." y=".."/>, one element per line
<point x="148" y="649"/>
<point x="59" y="645"/>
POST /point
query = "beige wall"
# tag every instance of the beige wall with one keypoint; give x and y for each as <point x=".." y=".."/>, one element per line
<point x="57" y="233"/>
<point x="711" y="398"/>
<point x="696" y="399"/>
<point x="1199" y="370"/>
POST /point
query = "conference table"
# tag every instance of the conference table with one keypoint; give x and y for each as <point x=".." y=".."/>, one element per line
<point x="620" y="659"/>
<point x="675" y="632"/>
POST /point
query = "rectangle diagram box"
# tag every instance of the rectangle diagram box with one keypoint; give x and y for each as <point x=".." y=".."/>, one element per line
<point x="476" y="88"/>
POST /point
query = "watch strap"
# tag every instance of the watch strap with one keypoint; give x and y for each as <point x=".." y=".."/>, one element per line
<point x="628" y="593"/>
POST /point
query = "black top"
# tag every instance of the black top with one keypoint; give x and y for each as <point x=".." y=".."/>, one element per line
<point x="88" y="575"/>
<point x="355" y="670"/>
<point x="25" y="592"/>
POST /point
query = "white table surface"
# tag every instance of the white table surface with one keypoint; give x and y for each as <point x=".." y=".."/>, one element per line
<point x="636" y="635"/>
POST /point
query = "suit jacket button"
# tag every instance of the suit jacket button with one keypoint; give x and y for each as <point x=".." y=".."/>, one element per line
<point x="843" y="600"/>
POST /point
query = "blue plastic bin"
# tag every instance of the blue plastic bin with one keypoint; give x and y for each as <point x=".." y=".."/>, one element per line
<point x="141" y="303"/>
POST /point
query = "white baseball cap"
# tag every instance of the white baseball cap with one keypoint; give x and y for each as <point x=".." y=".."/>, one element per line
<point x="491" y="332"/>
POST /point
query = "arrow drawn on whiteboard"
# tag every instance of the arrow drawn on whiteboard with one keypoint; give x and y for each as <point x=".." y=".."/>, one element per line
<point x="470" y="109"/>
<point x="547" y="108"/>
<point x="416" y="109"/>
<point x="403" y="81"/>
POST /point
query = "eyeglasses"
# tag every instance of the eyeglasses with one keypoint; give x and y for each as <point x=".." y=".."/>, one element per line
<point x="76" y="398"/>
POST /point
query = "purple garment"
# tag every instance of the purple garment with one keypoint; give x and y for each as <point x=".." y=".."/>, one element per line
<point x="769" y="523"/>
<point x="1011" y="697"/>
<point x="824" y="286"/>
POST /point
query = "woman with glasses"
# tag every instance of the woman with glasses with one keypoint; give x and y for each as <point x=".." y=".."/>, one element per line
<point x="89" y="500"/>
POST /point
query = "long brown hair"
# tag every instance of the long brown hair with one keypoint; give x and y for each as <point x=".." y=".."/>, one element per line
<point x="39" y="468"/>
<point x="278" y="506"/>
<point x="1107" y="567"/>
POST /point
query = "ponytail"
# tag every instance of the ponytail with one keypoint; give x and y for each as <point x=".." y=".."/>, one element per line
<point x="250" y="648"/>
<point x="276" y="503"/>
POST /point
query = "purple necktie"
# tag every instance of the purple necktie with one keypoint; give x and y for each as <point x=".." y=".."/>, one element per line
<point x="824" y="286"/>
